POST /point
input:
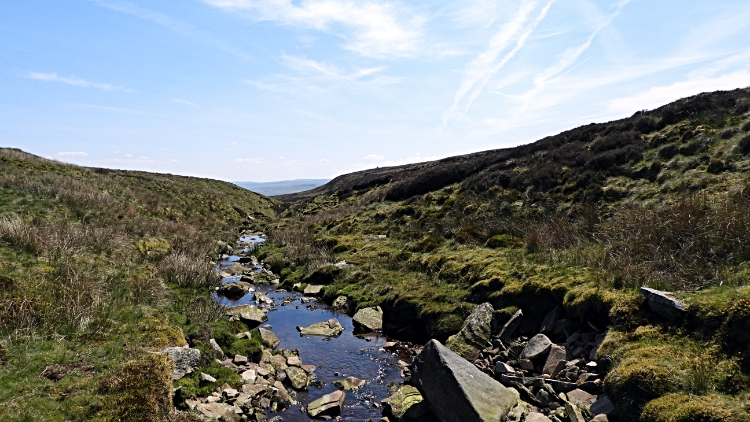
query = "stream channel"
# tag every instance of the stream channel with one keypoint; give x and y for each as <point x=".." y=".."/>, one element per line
<point x="360" y="356"/>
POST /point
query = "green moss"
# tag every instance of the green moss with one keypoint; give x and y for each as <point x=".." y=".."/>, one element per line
<point x="680" y="407"/>
<point x="142" y="390"/>
<point x="504" y="241"/>
<point x="191" y="387"/>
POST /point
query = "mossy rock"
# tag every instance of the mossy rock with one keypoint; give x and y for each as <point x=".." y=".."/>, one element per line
<point x="637" y="381"/>
<point x="682" y="407"/>
<point x="322" y="275"/>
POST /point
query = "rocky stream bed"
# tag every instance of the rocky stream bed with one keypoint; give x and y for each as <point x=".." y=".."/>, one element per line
<point x="319" y="362"/>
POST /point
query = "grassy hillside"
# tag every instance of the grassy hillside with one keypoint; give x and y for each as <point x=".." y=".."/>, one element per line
<point x="580" y="219"/>
<point x="97" y="268"/>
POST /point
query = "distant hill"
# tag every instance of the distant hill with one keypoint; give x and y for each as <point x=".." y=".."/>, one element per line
<point x="282" y="187"/>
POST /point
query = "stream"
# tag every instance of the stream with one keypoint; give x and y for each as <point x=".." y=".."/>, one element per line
<point x="360" y="356"/>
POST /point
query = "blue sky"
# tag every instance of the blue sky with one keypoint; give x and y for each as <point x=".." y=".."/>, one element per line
<point x="281" y="89"/>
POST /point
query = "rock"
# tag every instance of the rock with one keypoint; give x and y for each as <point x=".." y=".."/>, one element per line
<point x="476" y="331"/>
<point x="663" y="304"/>
<point x="556" y="355"/>
<point x="230" y="393"/>
<point x="548" y="325"/>
<point x="600" y="418"/>
<point x="249" y="376"/>
<point x="602" y="405"/>
<point x="558" y="368"/>
<point x="234" y="289"/>
<point x="537" y="417"/>
<point x="581" y="398"/>
<point x="313" y="289"/>
<point x="368" y="319"/>
<point x="510" y="327"/>
<point x="249" y="314"/>
<point x="407" y="405"/>
<point x="217" y="349"/>
<point x="350" y="384"/>
<point x="343" y="304"/>
<point x="218" y="411"/>
<point x="269" y="338"/>
<point x="330" y="404"/>
<point x="456" y="390"/>
<point x="342" y="264"/>
<point x="297" y="377"/>
<point x="263" y="298"/>
<point x="557" y="386"/>
<point x="240" y="360"/>
<point x="293" y="361"/>
<point x="204" y="377"/>
<point x="332" y="327"/>
<point x="185" y="360"/>
<point x="503" y="368"/>
<point x="526" y="364"/>
<point x="537" y="346"/>
<point x="278" y="362"/>
<point x="573" y="413"/>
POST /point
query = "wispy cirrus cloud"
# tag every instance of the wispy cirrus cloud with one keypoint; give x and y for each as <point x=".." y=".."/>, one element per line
<point x="478" y="72"/>
<point x="372" y="28"/>
<point x="70" y="80"/>
<point x="363" y="75"/>
<point x="171" y="23"/>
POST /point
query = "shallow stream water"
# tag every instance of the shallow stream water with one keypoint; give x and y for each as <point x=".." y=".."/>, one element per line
<point x="348" y="355"/>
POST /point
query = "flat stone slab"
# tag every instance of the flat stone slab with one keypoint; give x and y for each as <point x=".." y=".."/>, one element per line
<point x="332" y="327"/>
<point x="511" y="326"/>
<point x="328" y="405"/>
<point x="313" y="289"/>
<point x="456" y="390"/>
<point x="249" y="314"/>
<point x="407" y="404"/>
<point x="537" y="346"/>
<point x="297" y="377"/>
<point x="663" y="304"/>
<point x="349" y="384"/>
<point x="557" y="354"/>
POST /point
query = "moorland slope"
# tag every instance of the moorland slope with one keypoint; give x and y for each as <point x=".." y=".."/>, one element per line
<point x="580" y="220"/>
<point x="99" y="268"/>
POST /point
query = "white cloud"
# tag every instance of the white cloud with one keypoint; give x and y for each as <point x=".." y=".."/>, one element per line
<point x="249" y="160"/>
<point x="373" y="157"/>
<point x="305" y="64"/>
<point x="53" y="77"/>
<point x="377" y="29"/>
<point x="73" y="154"/>
<point x="661" y="95"/>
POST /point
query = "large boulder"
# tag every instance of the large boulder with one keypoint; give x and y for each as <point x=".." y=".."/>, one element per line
<point x="332" y="327"/>
<point x="476" y="331"/>
<point x="185" y="360"/>
<point x="456" y="390"/>
<point x="407" y="405"/>
<point x="269" y="338"/>
<point x="328" y="405"/>
<point x="249" y="314"/>
<point x="538" y="346"/>
<point x="313" y="290"/>
<point x="368" y="320"/>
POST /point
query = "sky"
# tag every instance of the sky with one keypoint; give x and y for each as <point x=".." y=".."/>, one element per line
<point x="264" y="90"/>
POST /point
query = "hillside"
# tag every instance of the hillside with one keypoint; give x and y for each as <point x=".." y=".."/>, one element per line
<point x="282" y="187"/>
<point x="98" y="268"/>
<point x="580" y="220"/>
